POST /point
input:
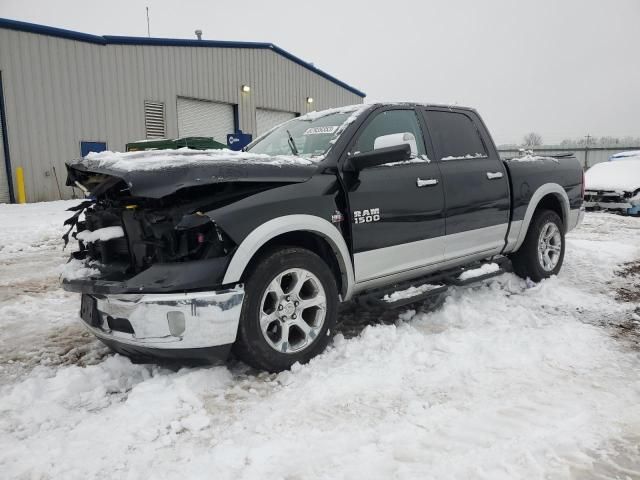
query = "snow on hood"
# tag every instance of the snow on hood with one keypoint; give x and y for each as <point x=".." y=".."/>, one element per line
<point x="165" y="159"/>
<point x="157" y="173"/>
<point x="623" y="175"/>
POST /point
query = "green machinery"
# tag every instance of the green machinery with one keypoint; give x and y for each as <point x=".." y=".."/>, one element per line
<point x="196" y="143"/>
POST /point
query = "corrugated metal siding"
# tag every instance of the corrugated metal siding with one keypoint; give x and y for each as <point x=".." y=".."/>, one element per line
<point x="59" y="92"/>
<point x="267" y="119"/>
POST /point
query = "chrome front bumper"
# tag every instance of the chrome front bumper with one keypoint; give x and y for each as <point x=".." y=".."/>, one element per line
<point x="168" y="321"/>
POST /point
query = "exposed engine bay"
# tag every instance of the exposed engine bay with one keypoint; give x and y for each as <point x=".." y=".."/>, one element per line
<point x="167" y="230"/>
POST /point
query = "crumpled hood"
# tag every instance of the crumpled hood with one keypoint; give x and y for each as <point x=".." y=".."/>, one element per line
<point x="158" y="173"/>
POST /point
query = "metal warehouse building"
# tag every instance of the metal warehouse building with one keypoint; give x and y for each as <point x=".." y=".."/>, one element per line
<point x="63" y="93"/>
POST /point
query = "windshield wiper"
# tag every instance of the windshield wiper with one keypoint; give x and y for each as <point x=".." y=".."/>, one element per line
<point x="292" y="144"/>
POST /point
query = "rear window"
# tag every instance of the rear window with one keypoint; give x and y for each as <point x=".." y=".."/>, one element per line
<point x="455" y="136"/>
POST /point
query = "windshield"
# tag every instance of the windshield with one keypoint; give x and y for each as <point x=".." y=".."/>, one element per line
<point x="306" y="136"/>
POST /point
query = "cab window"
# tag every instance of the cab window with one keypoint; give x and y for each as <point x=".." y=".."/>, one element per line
<point x="455" y="136"/>
<point x="402" y="124"/>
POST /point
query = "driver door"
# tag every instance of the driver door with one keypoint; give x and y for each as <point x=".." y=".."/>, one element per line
<point x="397" y="209"/>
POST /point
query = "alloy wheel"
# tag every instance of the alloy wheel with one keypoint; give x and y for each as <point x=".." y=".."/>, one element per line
<point x="292" y="310"/>
<point x="549" y="246"/>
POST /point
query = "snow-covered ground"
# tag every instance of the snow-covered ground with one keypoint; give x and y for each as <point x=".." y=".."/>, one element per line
<point x="499" y="382"/>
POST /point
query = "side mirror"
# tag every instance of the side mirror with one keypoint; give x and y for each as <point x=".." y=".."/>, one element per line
<point x="406" y="138"/>
<point x="397" y="153"/>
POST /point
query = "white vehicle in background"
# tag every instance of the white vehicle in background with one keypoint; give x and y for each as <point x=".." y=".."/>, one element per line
<point x="625" y="155"/>
<point x="615" y="185"/>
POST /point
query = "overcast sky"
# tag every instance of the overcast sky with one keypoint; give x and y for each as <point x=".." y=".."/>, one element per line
<point x="561" y="68"/>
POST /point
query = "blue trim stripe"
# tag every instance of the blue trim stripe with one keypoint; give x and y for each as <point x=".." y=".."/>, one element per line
<point x="166" y="42"/>
<point x="5" y="144"/>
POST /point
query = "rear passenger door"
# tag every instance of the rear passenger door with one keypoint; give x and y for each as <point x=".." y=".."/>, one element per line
<point x="475" y="180"/>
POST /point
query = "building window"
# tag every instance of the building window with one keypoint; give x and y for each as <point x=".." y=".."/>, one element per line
<point x="154" y="119"/>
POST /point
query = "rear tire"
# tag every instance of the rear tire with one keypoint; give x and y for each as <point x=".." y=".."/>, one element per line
<point x="289" y="310"/>
<point x="542" y="252"/>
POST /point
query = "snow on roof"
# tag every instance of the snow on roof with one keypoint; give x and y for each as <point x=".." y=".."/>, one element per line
<point x="161" y="159"/>
<point x="622" y="175"/>
<point x="354" y="109"/>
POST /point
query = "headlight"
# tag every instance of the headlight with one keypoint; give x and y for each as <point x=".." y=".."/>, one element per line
<point x="200" y="237"/>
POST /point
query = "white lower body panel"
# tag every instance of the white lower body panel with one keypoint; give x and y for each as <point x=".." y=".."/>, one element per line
<point x="410" y="260"/>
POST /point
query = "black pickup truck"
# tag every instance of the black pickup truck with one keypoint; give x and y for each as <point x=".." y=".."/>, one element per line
<point x="190" y="254"/>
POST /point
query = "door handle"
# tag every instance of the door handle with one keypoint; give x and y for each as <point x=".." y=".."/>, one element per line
<point x="494" y="175"/>
<point x="430" y="182"/>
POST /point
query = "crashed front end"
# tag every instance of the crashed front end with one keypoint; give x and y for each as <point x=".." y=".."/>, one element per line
<point x="151" y="258"/>
<point x="150" y="271"/>
<point x="626" y="203"/>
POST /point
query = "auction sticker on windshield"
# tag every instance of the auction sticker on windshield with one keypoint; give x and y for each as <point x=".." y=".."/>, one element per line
<point x="321" y="130"/>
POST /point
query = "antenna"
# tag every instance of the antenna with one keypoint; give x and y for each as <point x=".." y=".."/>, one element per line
<point x="148" y="29"/>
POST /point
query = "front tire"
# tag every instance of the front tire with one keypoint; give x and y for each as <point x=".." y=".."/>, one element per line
<point x="542" y="252"/>
<point x="289" y="311"/>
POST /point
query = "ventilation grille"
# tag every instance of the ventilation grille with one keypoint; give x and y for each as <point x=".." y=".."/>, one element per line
<point x="154" y="119"/>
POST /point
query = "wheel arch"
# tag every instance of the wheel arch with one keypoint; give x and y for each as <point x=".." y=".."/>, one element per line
<point x="308" y="231"/>
<point x="550" y="196"/>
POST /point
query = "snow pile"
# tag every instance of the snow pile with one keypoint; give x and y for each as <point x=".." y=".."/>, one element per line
<point x="163" y="159"/>
<point x="100" y="235"/>
<point x="410" y="292"/>
<point x="533" y="158"/>
<point x="485" y="269"/>
<point x="620" y="176"/>
<point x="77" y="269"/>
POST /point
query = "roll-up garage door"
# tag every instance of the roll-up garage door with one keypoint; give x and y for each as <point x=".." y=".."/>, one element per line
<point x="201" y="118"/>
<point x="4" y="181"/>
<point x="267" y="119"/>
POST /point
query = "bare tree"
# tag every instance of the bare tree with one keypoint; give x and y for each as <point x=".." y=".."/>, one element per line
<point x="532" y="140"/>
<point x="608" y="141"/>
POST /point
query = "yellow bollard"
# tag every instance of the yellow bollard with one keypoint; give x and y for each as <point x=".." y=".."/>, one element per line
<point x="22" y="197"/>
